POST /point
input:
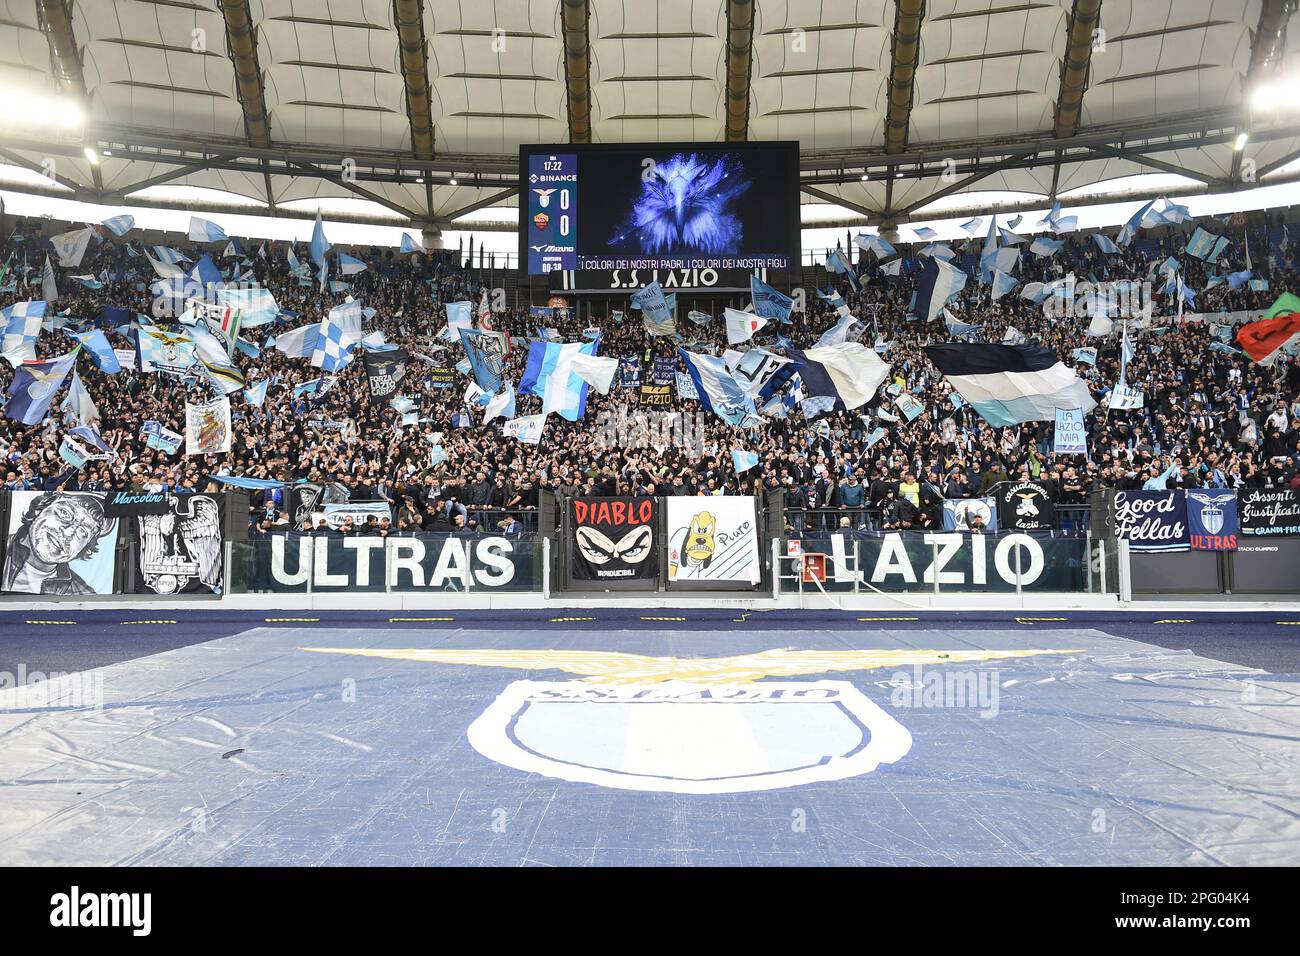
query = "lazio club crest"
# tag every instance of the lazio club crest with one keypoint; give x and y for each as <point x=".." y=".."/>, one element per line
<point x="688" y="725"/>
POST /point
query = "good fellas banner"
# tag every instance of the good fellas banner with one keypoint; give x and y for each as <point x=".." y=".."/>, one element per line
<point x="713" y="539"/>
<point x="614" y="539"/>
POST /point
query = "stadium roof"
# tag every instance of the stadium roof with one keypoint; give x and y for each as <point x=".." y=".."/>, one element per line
<point x="895" y="104"/>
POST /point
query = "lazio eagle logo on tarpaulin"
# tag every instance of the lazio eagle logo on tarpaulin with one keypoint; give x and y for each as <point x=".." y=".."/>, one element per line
<point x="688" y="725"/>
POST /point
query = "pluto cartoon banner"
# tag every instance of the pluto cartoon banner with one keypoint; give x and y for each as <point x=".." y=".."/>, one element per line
<point x="713" y="540"/>
<point x="614" y="540"/>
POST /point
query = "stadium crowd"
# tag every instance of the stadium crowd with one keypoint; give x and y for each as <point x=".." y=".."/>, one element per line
<point x="1221" y="419"/>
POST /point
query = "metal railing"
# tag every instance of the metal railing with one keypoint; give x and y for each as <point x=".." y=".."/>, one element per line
<point x="868" y="519"/>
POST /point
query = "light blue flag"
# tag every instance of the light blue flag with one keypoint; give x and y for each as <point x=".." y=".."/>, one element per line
<point x="1105" y="244"/>
<point x="249" y="484"/>
<point x="1206" y="246"/>
<point x="349" y="265"/>
<point x="545" y="376"/>
<point x="119" y="225"/>
<point x="989" y="254"/>
<point x="719" y="391"/>
<point x="319" y="244"/>
<point x="306" y="388"/>
<point x="879" y="246"/>
<point x="201" y="230"/>
<point x="256" y="306"/>
<point x="1043" y="246"/>
<point x="742" y="461"/>
<point x="101" y="352"/>
<point x="294" y="265"/>
<point x="925" y="232"/>
<point x="835" y="262"/>
<point x="769" y="303"/>
<point x="20" y="324"/>
<point x="408" y="244"/>
<point x="256" y="394"/>
<point x="484" y="357"/>
<point x="1130" y="228"/>
<point x="1237" y="279"/>
<point x="92" y="436"/>
<point x="1002" y="284"/>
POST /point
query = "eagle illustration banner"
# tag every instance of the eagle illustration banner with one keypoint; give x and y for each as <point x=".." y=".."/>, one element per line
<point x="713" y="539"/>
<point x="59" y="542"/>
<point x="614" y="539"/>
<point x="179" y="552"/>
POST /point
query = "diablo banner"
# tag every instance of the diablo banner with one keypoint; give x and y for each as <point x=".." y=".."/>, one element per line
<point x="614" y="539"/>
<point x="416" y="563"/>
<point x="1025" y="506"/>
<point x="713" y="540"/>
<point x="59" y="542"/>
<point x="180" y="551"/>
<point x="1269" y="511"/>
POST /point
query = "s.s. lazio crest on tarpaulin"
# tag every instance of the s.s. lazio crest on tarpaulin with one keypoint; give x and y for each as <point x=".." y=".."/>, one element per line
<point x="688" y="725"/>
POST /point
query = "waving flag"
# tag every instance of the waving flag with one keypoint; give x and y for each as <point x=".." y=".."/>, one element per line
<point x="1264" y="340"/>
<point x="1008" y="384"/>
<point x="78" y="402"/>
<point x="224" y="378"/>
<point x="717" y="388"/>
<point x="1105" y="244"/>
<point x="742" y="461"/>
<point x="1042" y="246"/>
<point x="168" y="255"/>
<point x="835" y="262"/>
<point x="71" y="246"/>
<point x="409" y="244"/>
<point x="254" y="306"/>
<point x="769" y="303"/>
<point x="1002" y="284"/>
<point x="549" y="374"/>
<point x="119" y="225"/>
<point x="201" y="230"/>
<point x="879" y="246"/>
<point x="655" y="310"/>
<point x="49" y="282"/>
<point x="101" y="352"/>
<point x="34" y="386"/>
<point x="925" y="232"/>
<point x="1010" y="238"/>
<point x="334" y="347"/>
<point x="20" y="324"/>
<point x="162" y="438"/>
<point x="501" y="404"/>
<point x="741" y="326"/>
<point x="848" y="373"/>
<point x="937" y="283"/>
<point x="840" y="331"/>
<point x="319" y="244"/>
<point x="1206" y="245"/>
<point x="1130" y="228"/>
<point x="989" y="254"/>
<point x="256" y="394"/>
<point x="348" y="265"/>
<point x="597" y="371"/>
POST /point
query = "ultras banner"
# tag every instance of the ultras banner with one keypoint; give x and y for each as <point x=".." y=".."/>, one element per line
<point x="713" y="539"/>
<point x="333" y="563"/>
<point x="962" y="562"/>
<point x="614" y="539"/>
<point x="59" y="542"/>
<point x="180" y="551"/>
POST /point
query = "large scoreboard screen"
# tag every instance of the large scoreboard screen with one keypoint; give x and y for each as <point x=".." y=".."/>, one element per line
<point x="693" y="207"/>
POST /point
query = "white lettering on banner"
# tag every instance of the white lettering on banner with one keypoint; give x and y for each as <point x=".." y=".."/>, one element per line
<point x="1002" y="559"/>
<point x="1137" y="519"/>
<point x="893" y="559"/>
<point x="404" y="554"/>
<point x="949" y="544"/>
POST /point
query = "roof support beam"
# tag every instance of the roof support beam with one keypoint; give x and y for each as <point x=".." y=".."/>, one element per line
<point x="740" y="61"/>
<point x="408" y="15"/>
<point x="902" y="72"/>
<point x="577" y="68"/>
<point x="363" y="193"/>
<point x="948" y="190"/>
<point x="177" y="173"/>
<point x="1080" y="30"/>
<point x="1142" y="159"/>
<point x="489" y="200"/>
<point x="78" y="188"/>
<point x="241" y="41"/>
<point x="55" y="18"/>
<point x="1265" y="54"/>
<point x="1277" y="164"/>
<point x="839" y="201"/>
